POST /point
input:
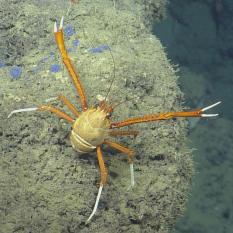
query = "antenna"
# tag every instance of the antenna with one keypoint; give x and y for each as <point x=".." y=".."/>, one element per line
<point x="114" y="66"/>
<point x="114" y="73"/>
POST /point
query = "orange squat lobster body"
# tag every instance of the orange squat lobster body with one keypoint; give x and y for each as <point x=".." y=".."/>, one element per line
<point x="92" y="127"/>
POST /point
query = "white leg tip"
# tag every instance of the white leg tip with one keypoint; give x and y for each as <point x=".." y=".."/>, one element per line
<point x="132" y="181"/>
<point x="96" y="204"/>
<point x="22" y="110"/>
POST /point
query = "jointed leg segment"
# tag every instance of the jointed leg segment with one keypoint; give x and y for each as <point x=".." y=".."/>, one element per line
<point x="104" y="172"/>
<point x="121" y="148"/>
<point x="127" y="151"/>
<point x="103" y="169"/>
<point x="66" y="101"/>
<point x="103" y="180"/>
<point x="56" y="111"/>
<point x="48" y="108"/>
<point x="67" y="62"/>
<point x="164" y="116"/>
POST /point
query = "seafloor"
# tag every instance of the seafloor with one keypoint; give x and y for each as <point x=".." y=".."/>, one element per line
<point x="45" y="185"/>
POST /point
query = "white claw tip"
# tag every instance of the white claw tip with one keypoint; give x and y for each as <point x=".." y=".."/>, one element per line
<point x="208" y="107"/>
<point x="209" y="115"/>
<point x="211" y="106"/>
<point x="61" y="23"/>
<point x="55" y="27"/>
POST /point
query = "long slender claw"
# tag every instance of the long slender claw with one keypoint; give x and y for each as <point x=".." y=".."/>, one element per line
<point x="22" y="110"/>
<point x="208" y="107"/>
<point x="96" y="204"/>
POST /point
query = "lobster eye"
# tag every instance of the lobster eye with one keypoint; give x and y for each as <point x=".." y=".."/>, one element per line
<point x="109" y="114"/>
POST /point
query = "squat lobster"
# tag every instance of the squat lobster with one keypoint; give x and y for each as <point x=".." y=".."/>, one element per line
<point x="92" y="126"/>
